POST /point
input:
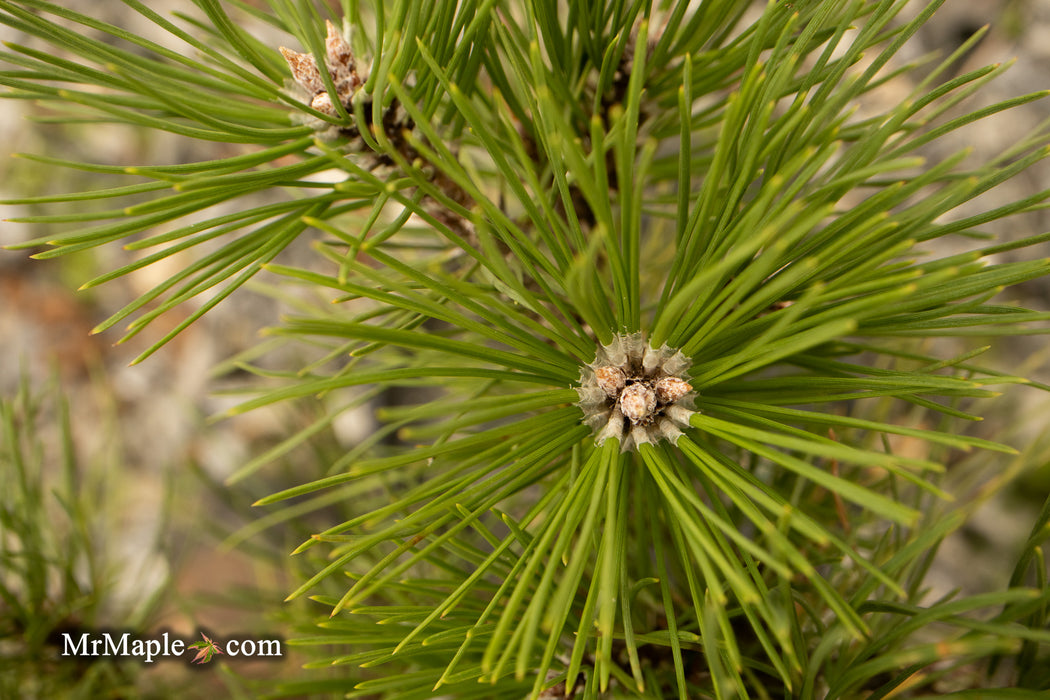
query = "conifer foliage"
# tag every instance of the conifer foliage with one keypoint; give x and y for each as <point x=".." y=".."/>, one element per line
<point x="651" y="275"/>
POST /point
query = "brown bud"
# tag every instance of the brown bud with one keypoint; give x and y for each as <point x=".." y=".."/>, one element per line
<point x="323" y="104"/>
<point x="340" y="63"/>
<point x="611" y="380"/>
<point x="304" y="70"/>
<point x="670" y="389"/>
<point x="638" y="402"/>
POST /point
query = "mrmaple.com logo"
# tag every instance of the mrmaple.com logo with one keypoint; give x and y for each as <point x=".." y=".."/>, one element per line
<point x="149" y="649"/>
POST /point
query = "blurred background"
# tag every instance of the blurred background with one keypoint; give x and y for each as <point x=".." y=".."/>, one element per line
<point x="151" y="462"/>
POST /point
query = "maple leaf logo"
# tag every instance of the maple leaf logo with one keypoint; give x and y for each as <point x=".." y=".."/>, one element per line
<point x="205" y="650"/>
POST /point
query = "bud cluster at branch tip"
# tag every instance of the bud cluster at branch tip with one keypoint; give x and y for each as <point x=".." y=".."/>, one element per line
<point x="636" y="393"/>
<point x="339" y="60"/>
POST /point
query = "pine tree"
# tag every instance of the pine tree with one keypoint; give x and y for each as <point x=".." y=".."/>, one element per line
<point x="653" y="278"/>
